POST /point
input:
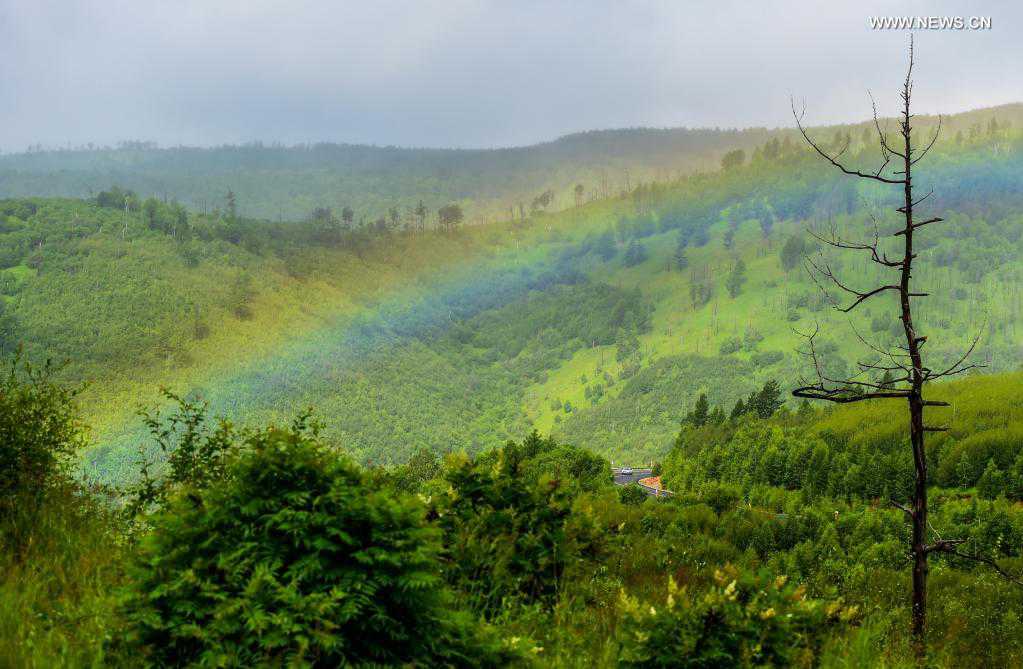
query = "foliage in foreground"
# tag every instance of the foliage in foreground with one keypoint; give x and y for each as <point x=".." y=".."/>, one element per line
<point x="59" y="541"/>
<point x="742" y="620"/>
<point x="39" y="434"/>
<point x="58" y="589"/>
<point x="509" y="529"/>
<point x="291" y="554"/>
<point x="296" y="559"/>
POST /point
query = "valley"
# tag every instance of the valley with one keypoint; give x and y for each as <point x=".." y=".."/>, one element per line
<point x="316" y="437"/>
<point x="547" y="323"/>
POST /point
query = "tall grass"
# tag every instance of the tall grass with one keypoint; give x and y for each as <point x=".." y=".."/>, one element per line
<point x="59" y="572"/>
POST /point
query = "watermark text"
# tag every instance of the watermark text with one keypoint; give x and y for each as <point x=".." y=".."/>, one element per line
<point x="930" y="22"/>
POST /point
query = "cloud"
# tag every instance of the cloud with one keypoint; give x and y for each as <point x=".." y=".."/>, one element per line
<point x="465" y="73"/>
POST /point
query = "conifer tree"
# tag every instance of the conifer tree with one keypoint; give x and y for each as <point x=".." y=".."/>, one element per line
<point x="698" y="416"/>
<point x="736" y="278"/>
<point x="679" y="259"/>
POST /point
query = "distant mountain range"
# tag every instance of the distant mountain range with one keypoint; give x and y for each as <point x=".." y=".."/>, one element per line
<point x="288" y="182"/>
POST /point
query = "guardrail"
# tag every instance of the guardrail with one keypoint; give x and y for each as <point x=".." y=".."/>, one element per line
<point x="643" y="472"/>
<point x="656" y="492"/>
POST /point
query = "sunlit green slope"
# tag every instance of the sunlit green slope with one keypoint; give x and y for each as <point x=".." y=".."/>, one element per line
<point x="584" y="323"/>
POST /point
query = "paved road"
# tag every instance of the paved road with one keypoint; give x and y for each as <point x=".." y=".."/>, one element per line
<point x="634" y="477"/>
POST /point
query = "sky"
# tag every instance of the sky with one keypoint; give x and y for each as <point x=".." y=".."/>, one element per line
<point x="460" y="73"/>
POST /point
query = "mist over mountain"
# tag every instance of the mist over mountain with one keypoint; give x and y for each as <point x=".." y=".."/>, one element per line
<point x="289" y="182"/>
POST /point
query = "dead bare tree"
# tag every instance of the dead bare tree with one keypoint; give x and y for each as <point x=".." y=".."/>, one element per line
<point x="904" y="368"/>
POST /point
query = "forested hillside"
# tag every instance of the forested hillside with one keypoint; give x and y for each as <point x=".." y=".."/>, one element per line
<point x="599" y="324"/>
<point x="719" y="397"/>
<point x="226" y="381"/>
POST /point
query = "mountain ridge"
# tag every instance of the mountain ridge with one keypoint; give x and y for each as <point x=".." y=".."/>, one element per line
<point x="289" y="183"/>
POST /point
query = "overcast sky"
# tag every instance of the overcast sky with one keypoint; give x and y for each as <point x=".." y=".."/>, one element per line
<point x="469" y="74"/>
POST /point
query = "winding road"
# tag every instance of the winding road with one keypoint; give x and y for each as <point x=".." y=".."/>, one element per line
<point x="635" y="476"/>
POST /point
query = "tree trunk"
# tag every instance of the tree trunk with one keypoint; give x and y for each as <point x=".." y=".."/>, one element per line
<point x="916" y="404"/>
<point x="919" y="626"/>
<point x="852" y="390"/>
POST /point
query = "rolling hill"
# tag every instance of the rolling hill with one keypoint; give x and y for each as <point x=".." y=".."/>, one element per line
<point x="288" y="183"/>
<point x="600" y="324"/>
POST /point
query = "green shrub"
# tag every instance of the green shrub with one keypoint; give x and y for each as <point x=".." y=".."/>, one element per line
<point x="742" y="621"/>
<point x="751" y="337"/>
<point x="767" y="358"/>
<point x="294" y="559"/>
<point x="993" y="482"/>
<point x="730" y="345"/>
<point x="420" y="469"/>
<point x="40" y="431"/>
<point x="190" y="452"/>
<point x="721" y="497"/>
<point x="632" y="494"/>
<point x="572" y="467"/>
<point x="507" y="534"/>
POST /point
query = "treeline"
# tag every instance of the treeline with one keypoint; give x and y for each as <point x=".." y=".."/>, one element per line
<point x="851" y="453"/>
<point x="322" y="225"/>
<point x="275" y="181"/>
<point x="289" y="182"/>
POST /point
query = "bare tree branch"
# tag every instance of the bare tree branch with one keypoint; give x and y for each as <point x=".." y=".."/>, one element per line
<point x="838" y="243"/>
<point x="989" y="562"/>
<point x="844" y="395"/>
<point x="916" y="373"/>
<point x="901" y="507"/>
<point x="950" y="547"/>
<point x="903" y="209"/>
<point x="834" y="159"/>
<point x="936" y="219"/>
<point x="845" y="390"/>
<point x="959" y="367"/>
<point x="861" y="296"/>
<point x="886" y="150"/>
<point x="934" y="138"/>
